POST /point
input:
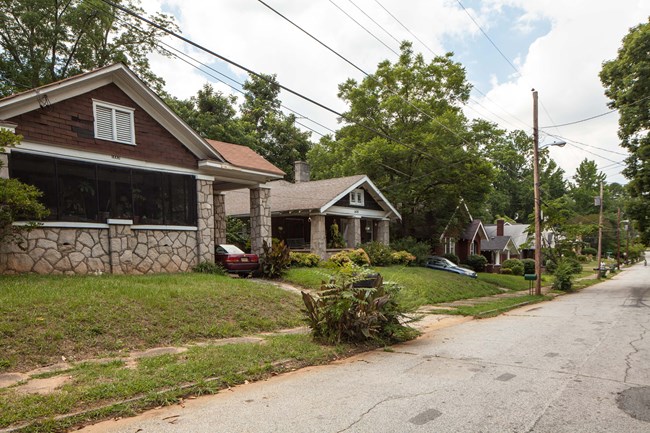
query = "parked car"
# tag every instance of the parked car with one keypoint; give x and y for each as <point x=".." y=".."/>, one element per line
<point x="235" y="260"/>
<point x="443" y="264"/>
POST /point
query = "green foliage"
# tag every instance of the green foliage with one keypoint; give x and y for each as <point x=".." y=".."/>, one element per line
<point x="563" y="276"/>
<point x="626" y="81"/>
<point x="238" y="233"/>
<point x="551" y="266"/>
<point x="515" y="265"/>
<point x="589" y="251"/>
<point x="358" y="257"/>
<point x="452" y="257"/>
<point x="529" y="266"/>
<point x="477" y="262"/>
<point x="42" y="41"/>
<point x="337" y="240"/>
<point x="583" y="259"/>
<point x="402" y="258"/>
<point x="307" y="260"/>
<point x="421" y="250"/>
<point x="275" y="259"/>
<point x="344" y="312"/>
<point x="209" y="268"/>
<point x="379" y="254"/>
<point x="506" y="271"/>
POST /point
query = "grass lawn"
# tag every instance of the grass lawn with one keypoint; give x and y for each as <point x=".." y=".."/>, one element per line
<point x="512" y="282"/>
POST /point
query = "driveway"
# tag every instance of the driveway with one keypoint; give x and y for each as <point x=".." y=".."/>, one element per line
<point x="580" y="363"/>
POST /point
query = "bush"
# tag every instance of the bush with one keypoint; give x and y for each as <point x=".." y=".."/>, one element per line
<point x="452" y="258"/>
<point x="583" y="259"/>
<point x="357" y="257"/>
<point x="551" y="266"/>
<point x="209" y="268"/>
<point x="421" y="250"/>
<point x="515" y="265"/>
<point x="379" y="254"/>
<point x="506" y="271"/>
<point x="306" y="260"/>
<point x="275" y="260"/>
<point x="588" y="251"/>
<point x="576" y="266"/>
<point x="342" y="312"/>
<point x="477" y="262"/>
<point x="529" y="266"/>
<point x="402" y="258"/>
<point x="563" y="276"/>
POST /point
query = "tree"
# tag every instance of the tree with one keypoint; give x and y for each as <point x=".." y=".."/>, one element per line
<point x="586" y="187"/>
<point x="17" y="200"/>
<point x="42" y="41"/>
<point x="406" y="130"/>
<point x="627" y="84"/>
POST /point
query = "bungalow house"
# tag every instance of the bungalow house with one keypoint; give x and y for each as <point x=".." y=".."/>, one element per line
<point x="463" y="236"/>
<point x="130" y="187"/>
<point x="499" y="246"/>
<point x="303" y="213"/>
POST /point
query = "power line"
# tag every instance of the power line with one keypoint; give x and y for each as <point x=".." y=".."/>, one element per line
<point x="376" y="23"/>
<point x="581" y="120"/>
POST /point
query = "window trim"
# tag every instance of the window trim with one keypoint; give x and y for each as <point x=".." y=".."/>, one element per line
<point x="357" y="193"/>
<point x="114" y="108"/>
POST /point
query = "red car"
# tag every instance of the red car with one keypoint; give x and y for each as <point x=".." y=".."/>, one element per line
<point x="235" y="260"/>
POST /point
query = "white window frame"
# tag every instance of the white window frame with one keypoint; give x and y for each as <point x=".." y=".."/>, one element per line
<point x="357" y="197"/>
<point x="114" y="109"/>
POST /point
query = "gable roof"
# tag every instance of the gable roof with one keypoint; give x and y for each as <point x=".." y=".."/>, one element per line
<point x="244" y="156"/>
<point x="518" y="232"/>
<point x="474" y="228"/>
<point x="313" y="196"/>
<point x="499" y="243"/>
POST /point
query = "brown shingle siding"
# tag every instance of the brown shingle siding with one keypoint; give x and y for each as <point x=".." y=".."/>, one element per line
<point x="70" y="123"/>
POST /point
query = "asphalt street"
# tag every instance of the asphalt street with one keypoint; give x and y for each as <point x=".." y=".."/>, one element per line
<point x="580" y="363"/>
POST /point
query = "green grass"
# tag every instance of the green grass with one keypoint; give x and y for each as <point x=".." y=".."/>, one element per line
<point x="496" y="306"/>
<point x="206" y="369"/>
<point x="511" y="282"/>
<point x="43" y="318"/>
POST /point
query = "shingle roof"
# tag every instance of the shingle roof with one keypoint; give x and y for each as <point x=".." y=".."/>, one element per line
<point x="244" y="157"/>
<point x="498" y="243"/>
<point x="518" y="232"/>
<point x="287" y="196"/>
<point x="472" y="229"/>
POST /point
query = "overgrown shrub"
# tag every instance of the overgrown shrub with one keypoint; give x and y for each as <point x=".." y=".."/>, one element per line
<point x="506" y="271"/>
<point x="563" y="276"/>
<point x="357" y="257"/>
<point x="529" y="266"/>
<point x="307" y="260"/>
<point x="550" y="266"/>
<point x="452" y="258"/>
<point x="275" y="259"/>
<point x="379" y="254"/>
<point x="477" y="262"/>
<point x="402" y="258"/>
<point x="583" y="259"/>
<point x="576" y="266"/>
<point x="515" y="265"/>
<point x="588" y="251"/>
<point x="421" y="250"/>
<point x="209" y="268"/>
<point x="336" y="237"/>
<point x="341" y="312"/>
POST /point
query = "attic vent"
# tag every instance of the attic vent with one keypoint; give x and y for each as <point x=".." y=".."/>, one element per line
<point x="114" y="122"/>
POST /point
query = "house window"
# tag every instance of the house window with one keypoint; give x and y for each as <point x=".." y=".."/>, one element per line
<point x="114" y="122"/>
<point x="84" y="192"/>
<point x="450" y="246"/>
<point x="356" y="197"/>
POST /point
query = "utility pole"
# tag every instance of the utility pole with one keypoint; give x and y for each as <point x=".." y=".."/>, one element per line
<point x="600" y="228"/>
<point x="538" y="223"/>
<point x="618" y="239"/>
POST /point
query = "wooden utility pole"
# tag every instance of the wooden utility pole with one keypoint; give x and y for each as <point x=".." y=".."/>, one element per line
<point x="600" y="229"/>
<point x="618" y="239"/>
<point x="538" y="223"/>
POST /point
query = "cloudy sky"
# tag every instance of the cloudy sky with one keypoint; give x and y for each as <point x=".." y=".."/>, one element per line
<point x="508" y="47"/>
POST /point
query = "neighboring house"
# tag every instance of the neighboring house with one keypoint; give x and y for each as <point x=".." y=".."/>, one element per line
<point x="463" y="236"/>
<point x="304" y="212"/>
<point x="131" y="188"/>
<point x="499" y="246"/>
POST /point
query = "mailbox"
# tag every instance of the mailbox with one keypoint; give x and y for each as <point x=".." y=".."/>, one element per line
<point x="530" y="277"/>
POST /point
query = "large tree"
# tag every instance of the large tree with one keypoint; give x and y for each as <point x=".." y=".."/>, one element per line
<point x="406" y="130"/>
<point x="42" y="41"/>
<point x="627" y="84"/>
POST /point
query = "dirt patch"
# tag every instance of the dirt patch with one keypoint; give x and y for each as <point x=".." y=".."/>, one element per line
<point x="43" y="386"/>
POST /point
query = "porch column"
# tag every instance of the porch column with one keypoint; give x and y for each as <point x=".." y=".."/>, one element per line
<point x="383" y="235"/>
<point x="219" y="218"/>
<point x="318" y="241"/>
<point x="121" y="253"/>
<point x="260" y="219"/>
<point x="353" y="235"/>
<point x="4" y="166"/>
<point x="205" y="221"/>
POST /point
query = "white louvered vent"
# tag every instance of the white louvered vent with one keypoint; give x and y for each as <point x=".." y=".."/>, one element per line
<point x="114" y="123"/>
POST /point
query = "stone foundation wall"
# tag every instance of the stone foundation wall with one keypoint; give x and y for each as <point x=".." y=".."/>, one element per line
<point x="118" y="249"/>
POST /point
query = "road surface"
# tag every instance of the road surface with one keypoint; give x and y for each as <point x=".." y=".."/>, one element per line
<point x="580" y="363"/>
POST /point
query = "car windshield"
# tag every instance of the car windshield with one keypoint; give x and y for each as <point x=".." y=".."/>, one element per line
<point x="228" y="249"/>
<point x="441" y="261"/>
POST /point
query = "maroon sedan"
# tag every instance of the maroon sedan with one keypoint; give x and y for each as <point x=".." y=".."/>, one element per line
<point x="235" y="260"/>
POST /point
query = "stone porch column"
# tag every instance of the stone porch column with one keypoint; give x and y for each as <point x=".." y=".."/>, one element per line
<point x="205" y="221"/>
<point x="4" y="156"/>
<point x="119" y="250"/>
<point x="219" y="218"/>
<point x="383" y="233"/>
<point x="260" y="219"/>
<point x="353" y="235"/>
<point x="318" y="237"/>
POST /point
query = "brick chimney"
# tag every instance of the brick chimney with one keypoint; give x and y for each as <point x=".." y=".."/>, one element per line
<point x="500" y="224"/>
<point x="300" y="172"/>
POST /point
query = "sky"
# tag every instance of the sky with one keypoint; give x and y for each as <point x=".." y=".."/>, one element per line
<point x="508" y="47"/>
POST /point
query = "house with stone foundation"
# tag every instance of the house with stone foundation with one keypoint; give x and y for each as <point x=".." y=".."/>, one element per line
<point x="304" y="212"/>
<point x="130" y="187"/>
